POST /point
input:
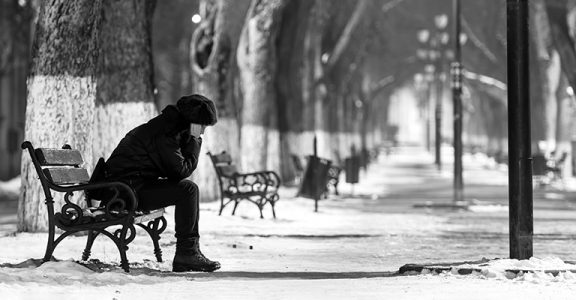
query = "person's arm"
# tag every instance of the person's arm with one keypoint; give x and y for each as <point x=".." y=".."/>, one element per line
<point x="191" y="146"/>
<point x="177" y="158"/>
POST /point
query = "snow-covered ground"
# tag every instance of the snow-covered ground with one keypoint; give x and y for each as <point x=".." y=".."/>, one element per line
<point x="353" y="248"/>
<point x="9" y="189"/>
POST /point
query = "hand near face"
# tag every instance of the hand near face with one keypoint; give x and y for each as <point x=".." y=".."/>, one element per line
<point x="197" y="130"/>
<point x="192" y="147"/>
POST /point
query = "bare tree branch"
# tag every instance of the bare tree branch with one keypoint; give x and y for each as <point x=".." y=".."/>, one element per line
<point x="344" y="39"/>
<point x="376" y="87"/>
<point x="494" y="87"/>
<point x="477" y="42"/>
<point x="390" y="5"/>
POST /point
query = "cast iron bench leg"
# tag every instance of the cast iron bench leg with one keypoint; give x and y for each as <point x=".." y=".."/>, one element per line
<point x="260" y="207"/>
<point x="221" y="207"/>
<point x="122" y="245"/>
<point x="156" y="239"/>
<point x="235" y="205"/>
<point x="154" y="230"/>
<point x="89" y="242"/>
<point x="50" y="245"/>
<point x="272" y="203"/>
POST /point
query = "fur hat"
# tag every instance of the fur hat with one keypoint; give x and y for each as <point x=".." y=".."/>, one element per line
<point x="197" y="109"/>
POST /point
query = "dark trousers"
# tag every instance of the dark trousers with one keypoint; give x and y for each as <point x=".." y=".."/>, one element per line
<point x="183" y="194"/>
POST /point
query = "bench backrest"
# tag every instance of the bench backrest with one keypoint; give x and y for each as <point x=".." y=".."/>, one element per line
<point x="223" y="164"/>
<point x="58" y="166"/>
<point x="62" y="166"/>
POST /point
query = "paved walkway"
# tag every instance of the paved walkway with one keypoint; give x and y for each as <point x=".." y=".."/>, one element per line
<point x="377" y="228"/>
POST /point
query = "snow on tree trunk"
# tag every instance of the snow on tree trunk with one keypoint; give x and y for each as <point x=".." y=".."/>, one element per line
<point x="213" y="45"/>
<point x="125" y="94"/>
<point x="257" y="63"/>
<point x="61" y="93"/>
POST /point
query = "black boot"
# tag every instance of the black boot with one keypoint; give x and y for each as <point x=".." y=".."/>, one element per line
<point x="189" y="257"/>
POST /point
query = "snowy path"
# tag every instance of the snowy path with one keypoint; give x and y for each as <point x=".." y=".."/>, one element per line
<point x="350" y="249"/>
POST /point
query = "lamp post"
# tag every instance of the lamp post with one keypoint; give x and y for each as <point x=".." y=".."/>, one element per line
<point x="456" y="70"/>
<point x="434" y="53"/>
<point x="519" y="140"/>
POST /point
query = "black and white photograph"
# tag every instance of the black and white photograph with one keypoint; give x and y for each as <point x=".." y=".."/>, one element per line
<point x="287" y="149"/>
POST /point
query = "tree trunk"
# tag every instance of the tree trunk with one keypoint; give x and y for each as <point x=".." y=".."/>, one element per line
<point x="260" y="142"/>
<point x="91" y="82"/>
<point x="61" y="93"/>
<point x="541" y="98"/>
<point x="172" y="36"/>
<point x="290" y="83"/>
<point x="564" y="124"/>
<point x="548" y="67"/>
<point x="561" y="28"/>
<point x="213" y="45"/>
<point x="319" y="89"/>
<point x="15" y="38"/>
<point x="306" y="138"/>
<point x="125" y="93"/>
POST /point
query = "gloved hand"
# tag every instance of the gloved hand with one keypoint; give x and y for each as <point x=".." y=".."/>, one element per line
<point x="191" y="146"/>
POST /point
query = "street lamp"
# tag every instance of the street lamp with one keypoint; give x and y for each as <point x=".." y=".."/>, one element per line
<point x="434" y="53"/>
<point x="196" y="18"/>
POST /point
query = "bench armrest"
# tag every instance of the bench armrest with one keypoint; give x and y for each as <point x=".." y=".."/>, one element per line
<point x="259" y="182"/>
<point x="117" y="186"/>
<point x="269" y="178"/>
<point x="116" y="210"/>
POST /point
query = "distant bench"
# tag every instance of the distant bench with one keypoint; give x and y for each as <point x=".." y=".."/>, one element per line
<point x="259" y="187"/>
<point x="59" y="170"/>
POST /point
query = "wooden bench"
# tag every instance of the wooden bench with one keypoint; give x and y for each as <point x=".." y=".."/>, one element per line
<point x="259" y="188"/>
<point x="59" y="171"/>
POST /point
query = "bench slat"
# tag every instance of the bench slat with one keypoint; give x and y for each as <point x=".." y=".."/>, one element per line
<point x="227" y="170"/>
<point x="67" y="175"/>
<point x="59" y="157"/>
<point x="221" y="158"/>
<point x="149" y="217"/>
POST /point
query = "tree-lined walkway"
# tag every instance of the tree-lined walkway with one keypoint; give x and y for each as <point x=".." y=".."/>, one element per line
<point x="375" y="229"/>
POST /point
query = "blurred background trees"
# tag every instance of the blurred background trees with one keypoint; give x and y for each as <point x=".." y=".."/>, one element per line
<point x="281" y="72"/>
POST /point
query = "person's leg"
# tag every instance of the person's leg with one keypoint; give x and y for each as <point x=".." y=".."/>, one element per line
<point x="184" y="195"/>
<point x="187" y="213"/>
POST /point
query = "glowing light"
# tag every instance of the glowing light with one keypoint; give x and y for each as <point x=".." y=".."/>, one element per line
<point x="463" y="38"/>
<point x="441" y="21"/>
<point x="423" y="35"/>
<point x="570" y="91"/>
<point x="196" y="18"/>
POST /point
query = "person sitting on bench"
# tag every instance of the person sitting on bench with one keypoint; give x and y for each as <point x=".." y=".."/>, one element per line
<point x="156" y="159"/>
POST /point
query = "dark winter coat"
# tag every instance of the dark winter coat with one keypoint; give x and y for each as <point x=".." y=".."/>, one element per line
<point x="163" y="147"/>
